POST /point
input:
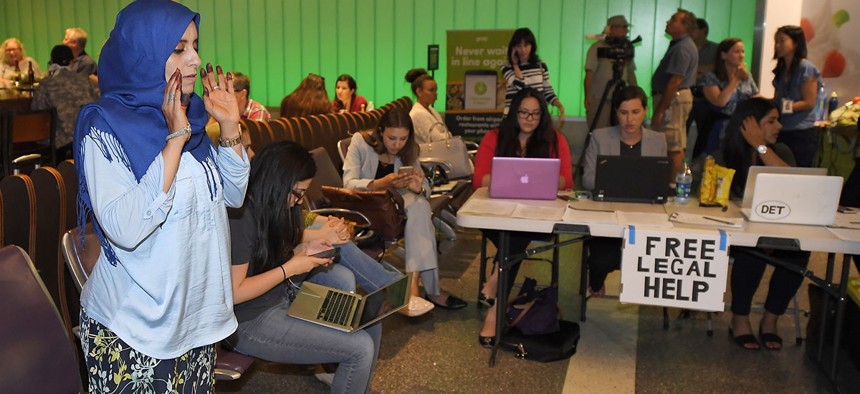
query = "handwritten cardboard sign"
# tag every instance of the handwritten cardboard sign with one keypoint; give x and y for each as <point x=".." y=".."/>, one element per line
<point x="685" y="269"/>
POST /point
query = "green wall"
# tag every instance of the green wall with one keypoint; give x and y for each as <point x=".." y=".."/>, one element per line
<point x="278" y="42"/>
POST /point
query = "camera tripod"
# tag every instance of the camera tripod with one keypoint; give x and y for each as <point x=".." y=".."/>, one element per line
<point x="614" y="85"/>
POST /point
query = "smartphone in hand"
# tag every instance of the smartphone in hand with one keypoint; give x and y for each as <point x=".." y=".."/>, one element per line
<point x="405" y="170"/>
<point x="332" y="253"/>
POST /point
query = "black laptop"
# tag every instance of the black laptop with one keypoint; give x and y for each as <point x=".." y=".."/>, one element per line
<point x="632" y="179"/>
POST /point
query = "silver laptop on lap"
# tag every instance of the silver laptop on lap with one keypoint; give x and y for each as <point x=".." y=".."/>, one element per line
<point x="346" y="311"/>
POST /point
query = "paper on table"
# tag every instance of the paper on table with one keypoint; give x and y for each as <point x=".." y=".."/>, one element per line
<point x="538" y="212"/>
<point x="590" y="217"/>
<point x="705" y="220"/>
<point x="644" y="219"/>
<point x="845" y="220"/>
<point x="493" y="208"/>
<point x="845" y="234"/>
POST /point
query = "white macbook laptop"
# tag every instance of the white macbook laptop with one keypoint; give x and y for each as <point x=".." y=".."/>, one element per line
<point x="795" y="199"/>
<point x="755" y="170"/>
<point x="524" y="178"/>
<point x="347" y="311"/>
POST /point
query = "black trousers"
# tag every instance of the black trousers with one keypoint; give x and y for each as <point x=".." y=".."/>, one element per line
<point x="518" y="242"/>
<point x="747" y="271"/>
<point x="604" y="256"/>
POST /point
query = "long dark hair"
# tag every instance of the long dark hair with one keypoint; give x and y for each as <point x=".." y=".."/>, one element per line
<point x="542" y="143"/>
<point x="795" y="33"/>
<point x="520" y="35"/>
<point x="394" y="118"/>
<point x="275" y="170"/>
<point x="737" y="153"/>
<point x="719" y="63"/>
<point x="339" y="105"/>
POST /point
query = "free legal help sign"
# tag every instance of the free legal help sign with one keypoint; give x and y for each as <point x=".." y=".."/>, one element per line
<point x="682" y="269"/>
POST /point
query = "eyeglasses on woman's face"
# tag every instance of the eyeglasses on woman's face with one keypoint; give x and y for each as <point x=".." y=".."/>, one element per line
<point x="298" y="194"/>
<point x="523" y="114"/>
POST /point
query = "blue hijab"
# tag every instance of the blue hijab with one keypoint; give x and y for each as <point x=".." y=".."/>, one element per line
<point x="132" y="83"/>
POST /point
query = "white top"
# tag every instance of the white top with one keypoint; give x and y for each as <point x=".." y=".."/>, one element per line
<point x="429" y="125"/>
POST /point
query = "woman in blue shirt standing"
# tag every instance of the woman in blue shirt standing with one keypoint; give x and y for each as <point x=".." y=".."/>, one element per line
<point x="160" y="294"/>
<point x="796" y="82"/>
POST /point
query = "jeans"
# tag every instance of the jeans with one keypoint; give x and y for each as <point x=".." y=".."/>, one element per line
<point x="369" y="273"/>
<point x="276" y="336"/>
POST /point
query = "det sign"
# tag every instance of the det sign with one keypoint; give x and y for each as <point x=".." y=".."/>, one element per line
<point x="683" y="270"/>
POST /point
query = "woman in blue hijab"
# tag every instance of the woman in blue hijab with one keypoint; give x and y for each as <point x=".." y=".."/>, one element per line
<point x="156" y="188"/>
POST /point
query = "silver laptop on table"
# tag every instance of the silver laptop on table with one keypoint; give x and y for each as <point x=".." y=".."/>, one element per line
<point x="794" y="199"/>
<point x="347" y="311"/>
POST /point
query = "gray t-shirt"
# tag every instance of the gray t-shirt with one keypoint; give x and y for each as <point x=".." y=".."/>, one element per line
<point x="681" y="58"/>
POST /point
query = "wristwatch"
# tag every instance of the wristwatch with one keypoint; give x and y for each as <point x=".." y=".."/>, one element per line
<point x="762" y="149"/>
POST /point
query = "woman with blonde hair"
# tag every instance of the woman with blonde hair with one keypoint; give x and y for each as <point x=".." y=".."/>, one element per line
<point x="15" y="62"/>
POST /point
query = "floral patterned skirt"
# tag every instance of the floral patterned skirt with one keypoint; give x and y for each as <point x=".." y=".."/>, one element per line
<point x="115" y="367"/>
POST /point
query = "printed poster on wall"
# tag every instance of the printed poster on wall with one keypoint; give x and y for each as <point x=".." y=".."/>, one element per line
<point x="475" y="93"/>
<point x="674" y="269"/>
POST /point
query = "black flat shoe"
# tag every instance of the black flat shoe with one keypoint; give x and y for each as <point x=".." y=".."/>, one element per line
<point x="451" y="303"/>
<point x="487" y="342"/>
<point x="744" y="340"/>
<point x="486" y="301"/>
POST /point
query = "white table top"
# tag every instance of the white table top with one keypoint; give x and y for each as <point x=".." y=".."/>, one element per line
<point x="611" y="219"/>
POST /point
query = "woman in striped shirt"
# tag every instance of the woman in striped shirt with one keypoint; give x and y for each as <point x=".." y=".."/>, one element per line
<point x="525" y="69"/>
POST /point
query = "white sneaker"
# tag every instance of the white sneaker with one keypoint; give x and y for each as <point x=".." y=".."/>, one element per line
<point x="417" y="306"/>
<point x="325" y="377"/>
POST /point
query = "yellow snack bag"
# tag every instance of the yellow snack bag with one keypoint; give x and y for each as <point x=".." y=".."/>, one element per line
<point x="723" y="184"/>
<point x="706" y="191"/>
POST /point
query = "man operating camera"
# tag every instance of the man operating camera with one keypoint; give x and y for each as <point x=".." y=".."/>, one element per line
<point x="614" y="51"/>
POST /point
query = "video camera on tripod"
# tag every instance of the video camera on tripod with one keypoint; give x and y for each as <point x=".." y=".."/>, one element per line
<point x="620" y="48"/>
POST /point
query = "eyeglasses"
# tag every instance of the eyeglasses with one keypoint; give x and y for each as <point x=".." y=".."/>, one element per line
<point x="526" y="114"/>
<point x="298" y="194"/>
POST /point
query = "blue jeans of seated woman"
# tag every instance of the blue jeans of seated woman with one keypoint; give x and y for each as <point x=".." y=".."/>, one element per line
<point x="369" y="273"/>
<point x="275" y="336"/>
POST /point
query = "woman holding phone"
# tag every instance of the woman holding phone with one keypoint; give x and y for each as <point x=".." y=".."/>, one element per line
<point x="272" y="254"/>
<point x="526" y="70"/>
<point x="373" y="162"/>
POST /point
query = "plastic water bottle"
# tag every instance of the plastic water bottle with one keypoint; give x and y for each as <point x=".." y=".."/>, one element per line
<point x="683" y="183"/>
<point x="833" y="103"/>
<point x="820" y="115"/>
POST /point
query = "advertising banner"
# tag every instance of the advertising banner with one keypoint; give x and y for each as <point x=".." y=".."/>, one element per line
<point x="475" y="93"/>
<point x="674" y="269"/>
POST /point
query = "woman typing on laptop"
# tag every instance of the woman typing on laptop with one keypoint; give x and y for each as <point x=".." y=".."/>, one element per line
<point x="525" y="132"/>
<point x="628" y="138"/>
<point x="750" y="140"/>
<point x="272" y="255"/>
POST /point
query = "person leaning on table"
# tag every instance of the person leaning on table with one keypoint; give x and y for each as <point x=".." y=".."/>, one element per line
<point x="751" y="140"/>
<point x="628" y="138"/>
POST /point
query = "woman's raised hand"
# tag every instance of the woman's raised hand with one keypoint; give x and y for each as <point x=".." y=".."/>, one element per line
<point x="218" y="97"/>
<point x="172" y="109"/>
<point x="752" y="132"/>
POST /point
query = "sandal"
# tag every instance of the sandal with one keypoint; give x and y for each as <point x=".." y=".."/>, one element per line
<point x="744" y="340"/>
<point x="770" y="339"/>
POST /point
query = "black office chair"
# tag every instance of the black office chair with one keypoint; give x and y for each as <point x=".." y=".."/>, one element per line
<point x="38" y="355"/>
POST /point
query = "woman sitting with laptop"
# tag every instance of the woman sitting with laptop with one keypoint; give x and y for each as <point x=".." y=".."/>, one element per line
<point x="525" y="132"/>
<point x="271" y="255"/>
<point x="376" y="160"/>
<point x="628" y="138"/>
<point x="750" y="140"/>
